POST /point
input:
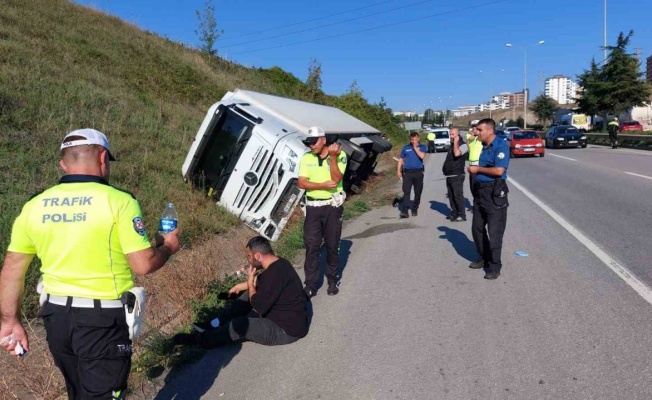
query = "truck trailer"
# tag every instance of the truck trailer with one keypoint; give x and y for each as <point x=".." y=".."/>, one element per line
<point x="247" y="151"/>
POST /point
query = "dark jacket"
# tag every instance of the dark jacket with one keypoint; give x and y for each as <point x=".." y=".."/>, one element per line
<point x="455" y="165"/>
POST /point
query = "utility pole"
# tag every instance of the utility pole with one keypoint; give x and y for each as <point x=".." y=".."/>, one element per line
<point x="604" y="61"/>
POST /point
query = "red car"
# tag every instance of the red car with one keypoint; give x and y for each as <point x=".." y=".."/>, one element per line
<point x="631" y="126"/>
<point x="523" y="143"/>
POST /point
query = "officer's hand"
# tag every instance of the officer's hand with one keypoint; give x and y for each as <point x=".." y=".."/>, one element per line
<point x="169" y="240"/>
<point x="399" y="175"/>
<point x="329" y="185"/>
<point x="334" y="149"/>
<point x="473" y="169"/>
<point x="19" y="333"/>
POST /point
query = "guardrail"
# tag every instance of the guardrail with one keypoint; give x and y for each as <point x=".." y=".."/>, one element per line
<point x="622" y="136"/>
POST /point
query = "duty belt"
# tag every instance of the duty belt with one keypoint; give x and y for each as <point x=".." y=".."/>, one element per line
<point x="474" y="162"/>
<point x="481" y="185"/>
<point x="81" y="302"/>
<point x="318" y="203"/>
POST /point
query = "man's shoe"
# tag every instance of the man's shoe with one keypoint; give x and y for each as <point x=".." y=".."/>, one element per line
<point x="404" y="214"/>
<point x="491" y="275"/>
<point x="478" y="264"/>
<point x="451" y="217"/>
<point x="414" y="213"/>
<point x="332" y="289"/>
<point x="310" y="292"/>
<point x="459" y="219"/>
<point x="184" y="339"/>
<point x="206" y="325"/>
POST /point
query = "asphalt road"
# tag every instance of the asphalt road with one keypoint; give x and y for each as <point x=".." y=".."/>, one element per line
<point x="413" y="322"/>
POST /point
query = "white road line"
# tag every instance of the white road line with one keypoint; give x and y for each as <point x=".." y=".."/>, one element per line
<point x="565" y="158"/>
<point x="625" y="274"/>
<point x="640" y="176"/>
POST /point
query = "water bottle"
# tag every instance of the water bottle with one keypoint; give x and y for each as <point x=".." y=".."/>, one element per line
<point x="169" y="220"/>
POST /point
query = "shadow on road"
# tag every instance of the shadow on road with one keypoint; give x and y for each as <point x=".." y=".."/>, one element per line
<point x="192" y="385"/>
<point x="441" y="208"/>
<point x="462" y="245"/>
<point x="345" y="252"/>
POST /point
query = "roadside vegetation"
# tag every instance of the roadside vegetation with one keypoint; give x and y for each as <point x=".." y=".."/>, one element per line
<point x="63" y="67"/>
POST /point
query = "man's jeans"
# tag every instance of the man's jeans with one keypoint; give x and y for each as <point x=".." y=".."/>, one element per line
<point x="242" y="323"/>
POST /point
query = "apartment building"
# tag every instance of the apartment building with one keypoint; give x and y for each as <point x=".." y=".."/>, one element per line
<point x="516" y="99"/>
<point x="561" y="89"/>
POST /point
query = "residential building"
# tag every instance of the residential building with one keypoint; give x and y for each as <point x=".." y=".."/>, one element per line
<point x="405" y="113"/>
<point x="516" y="100"/>
<point x="561" y="88"/>
<point x="648" y="74"/>
<point x="468" y="109"/>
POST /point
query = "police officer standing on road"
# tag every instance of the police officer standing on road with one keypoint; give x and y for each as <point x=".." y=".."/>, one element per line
<point x="613" y="127"/>
<point x="320" y="174"/>
<point x="90" y="237"/>
<point x="475" y="148"/>
<point x="431" y="142"/>
<point x="410" y="170"/>
<point x="490" y="203"/>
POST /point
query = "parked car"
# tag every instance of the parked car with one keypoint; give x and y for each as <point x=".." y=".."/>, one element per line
<point x="565" y="136"/>
<point x="522" y="143"/>
<point x="631" y="126"/>
<point x="442" y="139"/>
<point x="502" y="134"/>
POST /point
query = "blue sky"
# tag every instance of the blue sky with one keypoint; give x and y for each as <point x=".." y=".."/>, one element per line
<point x="432" y="62"/>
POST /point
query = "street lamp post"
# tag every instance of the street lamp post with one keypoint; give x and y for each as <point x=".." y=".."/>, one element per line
<point x="525" y="80"/>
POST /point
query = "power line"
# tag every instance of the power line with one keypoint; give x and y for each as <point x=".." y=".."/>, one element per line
<point x="331" y="24"/>
<point x="377" y="27"/>
<point x="309" y="20"/>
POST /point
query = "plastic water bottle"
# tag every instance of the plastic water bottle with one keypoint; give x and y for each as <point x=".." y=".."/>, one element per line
<point x="169" y="220"/>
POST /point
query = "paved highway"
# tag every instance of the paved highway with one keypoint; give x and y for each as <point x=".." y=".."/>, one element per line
<point x="413" y="322"/>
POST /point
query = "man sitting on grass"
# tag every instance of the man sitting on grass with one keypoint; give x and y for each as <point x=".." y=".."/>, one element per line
<point x="272" y="311"/>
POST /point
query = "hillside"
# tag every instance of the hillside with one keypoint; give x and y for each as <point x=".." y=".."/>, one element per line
<point x="64" y="66"/>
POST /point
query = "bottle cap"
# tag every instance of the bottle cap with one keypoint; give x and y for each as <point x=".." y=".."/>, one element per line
<point x="170" y="205"/>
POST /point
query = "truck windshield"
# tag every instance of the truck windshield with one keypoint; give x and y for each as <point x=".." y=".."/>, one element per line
<point x="226" y="140"/>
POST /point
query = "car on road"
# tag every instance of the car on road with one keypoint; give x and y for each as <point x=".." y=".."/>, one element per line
<point x="631" y="126"/>
<point x="525" y="143"/>
<point x="502" y="134"/>
<point x="565" y="136"/>
<point x="511" y="129"/>
<point x="442" y="139"/>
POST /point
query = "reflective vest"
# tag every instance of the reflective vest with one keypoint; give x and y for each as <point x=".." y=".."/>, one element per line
<point x="475" y="148"/>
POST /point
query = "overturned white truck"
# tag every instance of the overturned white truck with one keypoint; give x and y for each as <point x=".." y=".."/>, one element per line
<point x="247" y="150"/>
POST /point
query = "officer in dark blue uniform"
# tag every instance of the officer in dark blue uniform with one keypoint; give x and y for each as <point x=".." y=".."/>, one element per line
<point x="410" y="170"/>
<point x="490" y="205"/>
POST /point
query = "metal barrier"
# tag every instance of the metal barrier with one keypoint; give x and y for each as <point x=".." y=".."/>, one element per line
<point x="622" y="136"/>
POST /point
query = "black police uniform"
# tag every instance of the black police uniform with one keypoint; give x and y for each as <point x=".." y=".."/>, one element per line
<point x="490" y="206"/>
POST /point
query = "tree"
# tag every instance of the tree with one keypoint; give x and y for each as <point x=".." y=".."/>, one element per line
<point x="208" y="32"/>
<point x="314" y="79"/>
<point x="592" y="89"/>
<point x="624" y="79"/>
<point x="544" y="108"/>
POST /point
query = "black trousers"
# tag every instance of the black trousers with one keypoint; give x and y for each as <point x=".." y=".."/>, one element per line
<point x="455" y="187"/>
<point x="472" y="180"/>
<point x="488" y="228"/>
<point x="92" y="349"/>
<point x="613" y="137"/>
<point x="322" y="223"/>
<point x="412" y="178"/>
<point x="431" y="146"/>
<point x="241" y="323"/>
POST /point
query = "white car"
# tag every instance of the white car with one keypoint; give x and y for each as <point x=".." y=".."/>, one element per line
<point x="442" y="139"/>
<point x="511" y="129"/>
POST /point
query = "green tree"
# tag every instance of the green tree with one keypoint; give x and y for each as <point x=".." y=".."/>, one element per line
<point x="624" y="79"/>
<point x="592" y="89"/>
<point x="314" y="80"/>
<point x="544" y="107"/>
<point x="208" y="32"/>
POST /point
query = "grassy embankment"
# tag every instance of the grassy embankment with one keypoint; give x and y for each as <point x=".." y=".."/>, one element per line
<point x="63" y="67"/>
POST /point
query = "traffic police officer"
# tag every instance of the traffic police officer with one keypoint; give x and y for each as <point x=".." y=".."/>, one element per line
<point x="320" y="175"/>
<point x="613" y="127"/>
<point x="475" y="148"/>
<point x="490" y="199"/>
<point x="431" y="142"/>
<point x="410" y="170"/>
<point x="89" y="237"/>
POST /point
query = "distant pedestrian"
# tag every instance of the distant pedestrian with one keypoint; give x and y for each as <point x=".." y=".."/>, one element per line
<point x="410" y="170"/>
<point x="613" y="127"/>
<point x="453" y="169"/>
<point x="431" y="141"/>
<point x="490" y="203"/>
